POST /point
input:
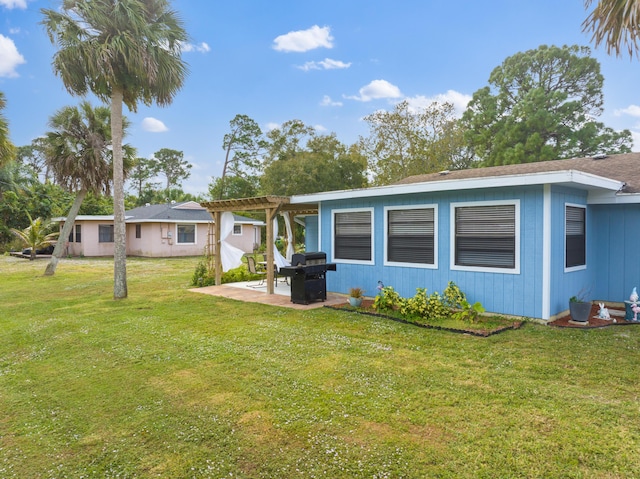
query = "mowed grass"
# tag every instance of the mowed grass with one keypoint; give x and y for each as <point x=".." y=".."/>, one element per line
<point x="174" y="384"/>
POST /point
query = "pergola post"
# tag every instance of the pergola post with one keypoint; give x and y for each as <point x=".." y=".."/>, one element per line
<point x="217" y="218"/>
<point x="270" y="215"/>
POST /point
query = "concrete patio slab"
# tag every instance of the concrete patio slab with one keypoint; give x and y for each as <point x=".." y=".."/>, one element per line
<point x="252" y="293"/>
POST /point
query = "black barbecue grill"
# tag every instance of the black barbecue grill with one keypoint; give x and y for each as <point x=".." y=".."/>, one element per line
<point x="308" y="276"/>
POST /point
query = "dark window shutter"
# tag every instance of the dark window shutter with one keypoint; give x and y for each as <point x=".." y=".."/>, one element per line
<point x="486" y="236"/>
<point x="411" y="236"/>
<point x="353" y="235"/>
<point x="576" y="237"/>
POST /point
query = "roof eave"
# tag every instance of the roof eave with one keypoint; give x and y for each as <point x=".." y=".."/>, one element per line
<point x="573" y="178"/>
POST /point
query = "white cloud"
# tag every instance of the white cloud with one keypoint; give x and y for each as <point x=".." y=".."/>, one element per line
<point x="154" y="126"/>
<point x="14" y="31"/>
<point x="13" y="4"/>
<point x="375" y="90"/>
<point x="457" y="99"/>
<point x="190" y="47"/>
<point x="10" y="58"/>
<point x="326" y="64"/>
<point x="327" y="101"/>
<point x="319" y="128"/>
<point x="304" y="40"/>
<point x="272" y="126"/>
<point x="632" y="110"/>
<point x="635" y="135"/>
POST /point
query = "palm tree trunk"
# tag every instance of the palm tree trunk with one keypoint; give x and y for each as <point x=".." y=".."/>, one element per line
<point x="119" y="227"/>
<point x="64" y="234"/>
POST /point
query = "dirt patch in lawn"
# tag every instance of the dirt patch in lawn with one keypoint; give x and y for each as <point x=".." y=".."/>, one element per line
<point x="483" y="327"/>
<point x="617" y="319"/>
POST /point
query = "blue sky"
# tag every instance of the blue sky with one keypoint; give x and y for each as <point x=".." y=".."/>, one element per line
<point x="326" y="63"/>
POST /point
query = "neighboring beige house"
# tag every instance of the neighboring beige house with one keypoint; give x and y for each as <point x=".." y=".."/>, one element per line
<point x="174" y="229"/>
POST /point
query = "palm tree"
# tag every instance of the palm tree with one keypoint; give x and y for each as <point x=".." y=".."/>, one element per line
<point x="7" y="150"/>
<point x="615" y="23"/>
<point x="36" y="235"/>
<point x="123" y="51"/>
<point x="78" y="154"/>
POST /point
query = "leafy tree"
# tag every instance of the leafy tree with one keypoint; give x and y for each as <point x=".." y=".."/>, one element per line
<point x="142" y="171"/>
<point x="33" y="157"/>
<point x="326" y="164"/>
<point x="540" y="105"/>
<point x="43" y="200"/>
<point x="286" y="141"/>
<point x="406" y="142"/>
<point x="96" y="204"/>
<point x="78" y="153"/>
<point x="172" y="165"/>
<point x="242" y="146"/>
<point x="36" y="236"/>
<point x="123" y="51"/>
<point x="7" y="150"/>
<point x="616" y="23"/>
<point x="233" y="187"/>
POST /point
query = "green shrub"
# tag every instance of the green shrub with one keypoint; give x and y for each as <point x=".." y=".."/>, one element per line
<point x="425" y="306"/>
<point x="387" y="300"/>
<point x="469" y="312"/>
<point x="452" y="296"/>
<point x="202" y="276"/>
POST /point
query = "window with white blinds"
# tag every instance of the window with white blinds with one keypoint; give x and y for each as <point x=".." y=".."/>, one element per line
<point x="411" y="235"/>
<point x="485" y="236"/>
<point x="575" y="237"/>
<point x="352" y="235"/>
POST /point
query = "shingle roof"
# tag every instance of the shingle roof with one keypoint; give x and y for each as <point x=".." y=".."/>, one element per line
<point x="187" y="211"/>
<point x="623" y="167"/>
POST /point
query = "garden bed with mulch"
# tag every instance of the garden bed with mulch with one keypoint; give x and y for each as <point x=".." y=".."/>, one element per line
<point x="617" y="319"/>
<point x="475" y="329"/>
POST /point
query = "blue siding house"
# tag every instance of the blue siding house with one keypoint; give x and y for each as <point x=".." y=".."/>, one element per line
<point x="521" y="239"/>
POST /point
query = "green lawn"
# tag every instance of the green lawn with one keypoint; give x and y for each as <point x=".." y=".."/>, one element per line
<point x="174" y="384"/>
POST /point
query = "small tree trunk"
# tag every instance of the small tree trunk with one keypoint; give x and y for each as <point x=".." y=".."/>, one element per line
<point x="119" y="226"/>
<point x="64" y="234"/>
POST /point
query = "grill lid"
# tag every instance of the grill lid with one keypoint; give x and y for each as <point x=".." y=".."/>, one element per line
<point x="318" y="257"/>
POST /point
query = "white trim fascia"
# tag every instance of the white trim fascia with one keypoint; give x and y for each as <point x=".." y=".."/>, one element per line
<point x="555" y="177"/>
<point x="165" y="221"/>
<point x="87" y="218"/>
<point x="546" y="252"/>
<point x="607" y="198"/>
<point x="320" y="228"/>
<point x="452" y="237"/>
<point x="580" y="267"/>
<point x="385" y="240"/>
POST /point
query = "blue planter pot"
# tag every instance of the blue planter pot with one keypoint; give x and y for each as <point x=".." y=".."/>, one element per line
<point x="355" y="302"/>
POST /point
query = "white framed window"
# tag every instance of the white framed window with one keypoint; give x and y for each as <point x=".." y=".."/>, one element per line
<point x="186" y="234"/>
<point x="485" y="236"/>
<point x="575" y="237"/>
<point x="105" y="233"/>
<point x="352" y="235"/>
<point x="410" y="234"/>
<point x="237" y="230"/>
<point x="78" y="233"/>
